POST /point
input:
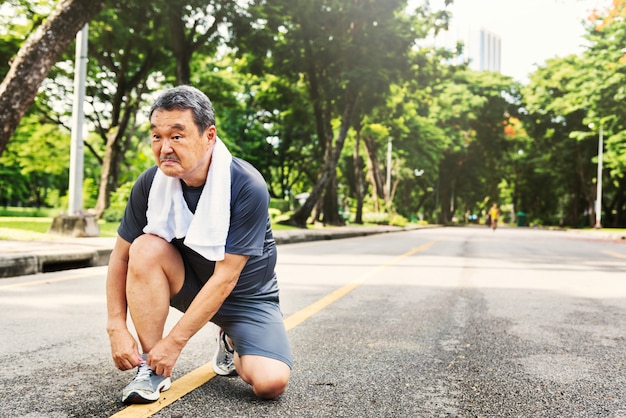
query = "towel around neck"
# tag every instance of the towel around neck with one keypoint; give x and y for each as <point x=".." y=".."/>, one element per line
<point x="205" y="231"/>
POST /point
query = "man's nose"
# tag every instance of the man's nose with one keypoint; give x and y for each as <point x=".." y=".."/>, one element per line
<point x="166" y="146"/>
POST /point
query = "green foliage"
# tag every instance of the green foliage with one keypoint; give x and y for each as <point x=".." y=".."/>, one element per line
<point x="281" y="205"/>
<point x="119" y="198"/>
<point x="26" y="212"/>
<point x="285" y="89"/>
<point x="35" y="163"/>
<point x="378" y="218"/>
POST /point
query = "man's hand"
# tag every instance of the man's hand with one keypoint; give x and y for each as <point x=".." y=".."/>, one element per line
<point x="163" y="356"/>
<point x="124" y="349"/>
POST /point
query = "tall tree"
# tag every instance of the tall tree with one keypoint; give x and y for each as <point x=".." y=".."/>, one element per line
<point x="343" y="50"/>
<point x="125" y="53"/>
<point x="192" y="26"/>
<point x="35" y="58"/>
<point x="603" y="90"/>
<point x="557" y="104"/>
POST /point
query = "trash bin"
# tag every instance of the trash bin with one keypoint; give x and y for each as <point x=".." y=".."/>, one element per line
<point x="521" y="219"/>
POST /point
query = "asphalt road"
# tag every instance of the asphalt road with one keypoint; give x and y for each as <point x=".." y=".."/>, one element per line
<point x="448" y="322"/>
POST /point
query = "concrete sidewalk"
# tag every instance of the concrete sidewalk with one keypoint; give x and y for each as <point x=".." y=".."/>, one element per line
<point x="19" y="258"/>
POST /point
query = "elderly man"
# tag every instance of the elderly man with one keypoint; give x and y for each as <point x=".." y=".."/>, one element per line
<point x="196" y="235"/>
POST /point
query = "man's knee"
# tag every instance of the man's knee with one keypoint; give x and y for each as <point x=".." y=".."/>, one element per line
<point x="149" y="252"/>
<point x="151" y="257"/>
<point x="270" y="387"/>
<point x="268" y="377"/>
<point x="147" y="249"/>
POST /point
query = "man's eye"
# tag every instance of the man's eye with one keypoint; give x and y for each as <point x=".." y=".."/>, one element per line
<point x="156" y="138"/>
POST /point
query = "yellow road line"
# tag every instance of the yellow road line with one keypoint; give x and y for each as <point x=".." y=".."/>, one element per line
<point x="304" y="314"/>
<point x="203" y="374"/>
<point x="179" y="388"/>
<point x="614" y="254"/>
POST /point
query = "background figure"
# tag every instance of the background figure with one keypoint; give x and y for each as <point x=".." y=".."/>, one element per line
<point x="494" y="213"/>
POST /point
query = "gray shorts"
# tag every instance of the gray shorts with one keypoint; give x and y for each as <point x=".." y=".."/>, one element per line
<point x="255" y="325"/>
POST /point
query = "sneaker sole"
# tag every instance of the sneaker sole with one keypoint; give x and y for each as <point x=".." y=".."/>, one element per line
<point x="139" y="397"/>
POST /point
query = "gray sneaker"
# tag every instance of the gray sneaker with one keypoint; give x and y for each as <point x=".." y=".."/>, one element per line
<point x="146" y="386"/>
<point x="223" y="359"/>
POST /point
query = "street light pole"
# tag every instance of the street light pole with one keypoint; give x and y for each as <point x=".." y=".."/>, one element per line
<point x="77" y="147"/>
<point x="599" y="181"/>
<point x="76" y="223"/>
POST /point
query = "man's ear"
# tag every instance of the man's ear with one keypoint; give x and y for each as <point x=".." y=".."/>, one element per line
<point x="211" y="133"/>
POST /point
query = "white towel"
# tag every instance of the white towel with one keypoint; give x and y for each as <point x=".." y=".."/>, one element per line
<point x="206" y="231"/>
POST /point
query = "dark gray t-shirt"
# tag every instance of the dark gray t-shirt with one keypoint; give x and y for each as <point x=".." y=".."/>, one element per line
<point x="249" y="232"/>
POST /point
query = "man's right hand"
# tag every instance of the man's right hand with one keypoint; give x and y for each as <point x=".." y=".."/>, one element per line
<point x="124" y="349"/>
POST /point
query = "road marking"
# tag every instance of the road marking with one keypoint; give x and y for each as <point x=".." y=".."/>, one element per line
<point x="614" y="254"/>
<point x="203" y="374"/>
<point x="302" y="315"/>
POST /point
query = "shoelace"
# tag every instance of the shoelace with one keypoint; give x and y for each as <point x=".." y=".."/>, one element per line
<point x="144" y="372"/>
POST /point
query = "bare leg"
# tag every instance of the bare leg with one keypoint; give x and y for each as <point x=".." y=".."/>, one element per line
<point x="268" y="377"/>
<point x="155" y="274"/>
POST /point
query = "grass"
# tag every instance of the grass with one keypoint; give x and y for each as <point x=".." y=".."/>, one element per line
<point x="13" y="211"/>
<point x="23" y="228"/>
<point x="32" y="228"/>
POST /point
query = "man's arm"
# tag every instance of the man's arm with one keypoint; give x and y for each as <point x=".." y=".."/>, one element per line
<point x="205" y="305"/>
<point x="123" y="345"/>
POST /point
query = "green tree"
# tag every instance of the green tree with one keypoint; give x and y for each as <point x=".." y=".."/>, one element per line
<point x="35" y="58"/>
<point x="557" y="106"/>
<point x="125" y="53"/>
<point x="472" y="107"/>
<point x="603" y="90"/>
<point x="38" y="157"/>
<point x="343" y="51"/>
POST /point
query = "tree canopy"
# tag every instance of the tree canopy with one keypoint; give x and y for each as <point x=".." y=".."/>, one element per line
<point x="315" y="93"/>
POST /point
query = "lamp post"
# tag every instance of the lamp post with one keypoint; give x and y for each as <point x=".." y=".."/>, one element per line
<point x="77" y="147"/>
<point x="599" y="181"/>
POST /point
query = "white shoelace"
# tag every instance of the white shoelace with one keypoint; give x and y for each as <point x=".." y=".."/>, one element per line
<point x="144" y="372"/>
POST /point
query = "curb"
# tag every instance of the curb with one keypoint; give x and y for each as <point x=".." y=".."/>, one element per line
<point x="21" y="264"/>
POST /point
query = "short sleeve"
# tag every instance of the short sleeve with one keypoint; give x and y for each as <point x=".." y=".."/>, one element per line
<point x="249" y="210"/>
<point x="135" y="219"/>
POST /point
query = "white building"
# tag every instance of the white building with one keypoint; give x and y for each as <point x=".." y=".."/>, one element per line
<point x="482" y="47"/>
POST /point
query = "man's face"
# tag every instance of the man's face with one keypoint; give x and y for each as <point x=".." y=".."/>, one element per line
<point x="179" y="149"/>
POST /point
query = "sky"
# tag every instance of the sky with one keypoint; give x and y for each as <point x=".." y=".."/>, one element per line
<point x="531" y="31"/>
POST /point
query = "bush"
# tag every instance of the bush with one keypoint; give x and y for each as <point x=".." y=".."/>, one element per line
<point x="274" y="213"/>
<point x="115" y="211"/>
<point x="398" y="220"/>
<point x="382" y="218"/>
<point x="281" y="204"/>
<point x="379" y="218"/>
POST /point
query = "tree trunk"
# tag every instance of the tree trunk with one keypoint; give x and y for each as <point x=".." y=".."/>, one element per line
<point x="377" y="179"/>
<point x="329" y="168"/>
<point x="35" y="59"/>
<point x="588" y="192"/>
<point x="358" y="179"/>
<point x="180" y="46"/>
<point x="110" y="170"/>
<point x="331" y="204"/>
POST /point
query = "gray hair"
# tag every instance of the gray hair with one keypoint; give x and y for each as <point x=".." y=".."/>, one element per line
<point x="187" y="98"/>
